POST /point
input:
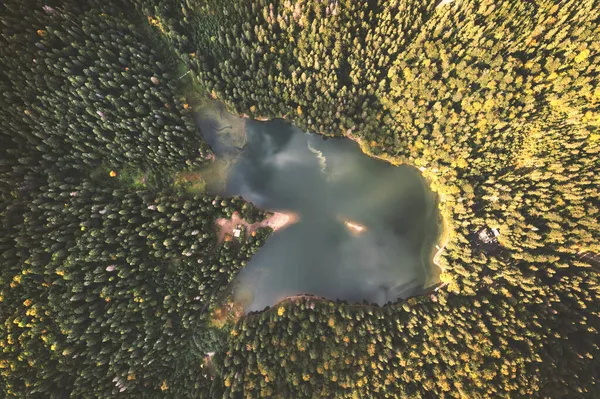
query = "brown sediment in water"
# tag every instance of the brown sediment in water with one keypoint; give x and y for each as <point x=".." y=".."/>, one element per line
<point x="354" y="227"/>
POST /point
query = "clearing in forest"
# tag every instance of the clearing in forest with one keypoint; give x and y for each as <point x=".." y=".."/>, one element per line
<point x="276" y="221"/>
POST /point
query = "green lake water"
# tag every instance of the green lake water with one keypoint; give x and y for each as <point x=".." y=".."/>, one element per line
<point x="326" y="183"/>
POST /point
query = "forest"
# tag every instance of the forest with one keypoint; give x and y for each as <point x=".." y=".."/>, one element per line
<point x="110" y="272"/>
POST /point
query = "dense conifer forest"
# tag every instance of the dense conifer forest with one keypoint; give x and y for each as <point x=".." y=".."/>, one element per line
<point x="110" y="272"/>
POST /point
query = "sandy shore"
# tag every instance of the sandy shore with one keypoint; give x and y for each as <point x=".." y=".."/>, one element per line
<point x="277" y="221"/>
<point x="443" y="241"/>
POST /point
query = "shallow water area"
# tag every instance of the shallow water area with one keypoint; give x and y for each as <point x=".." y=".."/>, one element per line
<point x="365" y="230"/>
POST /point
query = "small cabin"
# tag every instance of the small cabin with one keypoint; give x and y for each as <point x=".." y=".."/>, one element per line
<point x="488" y="236"/>
<point x="237" y="232"/>
<point x="486" y="240"/>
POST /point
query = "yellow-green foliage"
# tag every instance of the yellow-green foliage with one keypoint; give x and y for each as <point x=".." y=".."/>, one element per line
<point x="498" y="104"/>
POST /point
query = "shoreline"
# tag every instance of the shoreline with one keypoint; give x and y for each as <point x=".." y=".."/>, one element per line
<point x="443" y="238"/>
<point x="430" y="291"/>
<point x="276" y="221"/>
<point x="430" y="177"/>
<point x="279" y="220"/>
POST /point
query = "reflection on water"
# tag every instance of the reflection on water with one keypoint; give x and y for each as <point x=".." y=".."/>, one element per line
<point x="363" y="227"/>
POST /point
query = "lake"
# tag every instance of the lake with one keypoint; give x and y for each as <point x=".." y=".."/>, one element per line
<point x="366" y="229"/>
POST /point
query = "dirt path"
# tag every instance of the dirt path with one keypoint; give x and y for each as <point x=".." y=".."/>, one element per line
<point x="276" y="221"/>
<point x="445" y="237"/>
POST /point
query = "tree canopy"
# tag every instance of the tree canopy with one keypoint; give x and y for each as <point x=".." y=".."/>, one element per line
<point x="106" y="288"/>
